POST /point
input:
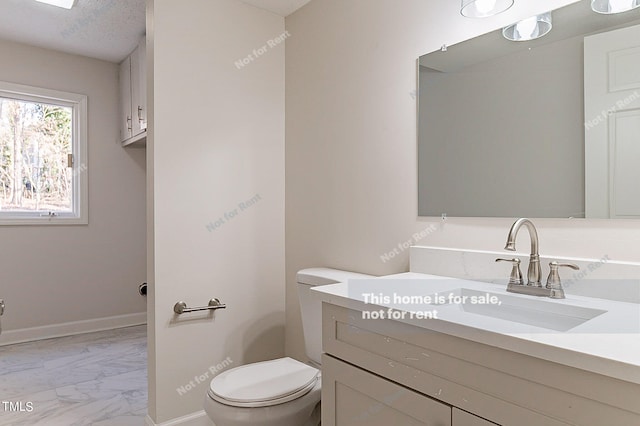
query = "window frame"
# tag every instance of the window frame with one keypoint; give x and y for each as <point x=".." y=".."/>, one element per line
<point x="79" y="131"/>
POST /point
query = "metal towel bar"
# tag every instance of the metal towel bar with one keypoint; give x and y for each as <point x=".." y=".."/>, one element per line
<point x="181" y="307"/>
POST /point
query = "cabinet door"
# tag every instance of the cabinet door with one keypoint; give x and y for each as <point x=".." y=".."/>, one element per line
<point x="125" y="100"/>
<point x="354" y="397"/>
<point x="142" y="83"/>
<point x="139" y="88"/>
<point x="136" y="93"/>
<point x="462" y="418"/>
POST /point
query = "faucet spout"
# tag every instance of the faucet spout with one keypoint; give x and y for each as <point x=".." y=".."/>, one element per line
<point x="534" y="272"/>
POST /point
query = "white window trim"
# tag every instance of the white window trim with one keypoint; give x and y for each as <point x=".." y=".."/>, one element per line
<point x="78" y="103"/>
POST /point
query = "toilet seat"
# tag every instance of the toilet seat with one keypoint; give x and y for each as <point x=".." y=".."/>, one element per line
<point x="264" y="384"/>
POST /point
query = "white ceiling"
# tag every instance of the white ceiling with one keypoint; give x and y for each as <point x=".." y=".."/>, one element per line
<point x="279" y="7"/>
<point x="102" y="29"/>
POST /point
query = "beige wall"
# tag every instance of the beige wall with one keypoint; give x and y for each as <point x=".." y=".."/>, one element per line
<point x="59" y="274"/>
<point x="351" y="143"/>
<point x="218" y="141"/>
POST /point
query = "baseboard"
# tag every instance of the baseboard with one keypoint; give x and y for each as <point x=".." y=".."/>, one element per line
<point x="199" y="418"/>
<point x="22" y="335"/>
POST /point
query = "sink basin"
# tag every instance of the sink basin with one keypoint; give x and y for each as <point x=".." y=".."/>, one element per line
<point x="524" y="310"/>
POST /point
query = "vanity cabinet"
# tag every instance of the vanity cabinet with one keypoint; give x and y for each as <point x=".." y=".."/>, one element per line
<point x="354" y="397"/>
<point x="381" y="372"/>
<point x="133" y="96"/>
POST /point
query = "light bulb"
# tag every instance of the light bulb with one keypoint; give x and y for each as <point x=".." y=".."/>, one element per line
<point x="608" y="7"/>
<point x="527" y="28"/>
<point x="530" y="28"/>
<point x="485" y="6"/>
<point x="617" y="6"/>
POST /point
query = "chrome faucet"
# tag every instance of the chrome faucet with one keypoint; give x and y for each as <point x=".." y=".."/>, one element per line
<point x="535" y="272"/>
<point x="533" y="287"/>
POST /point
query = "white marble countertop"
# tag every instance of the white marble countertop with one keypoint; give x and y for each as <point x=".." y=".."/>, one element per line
<point x="607" y="344"/>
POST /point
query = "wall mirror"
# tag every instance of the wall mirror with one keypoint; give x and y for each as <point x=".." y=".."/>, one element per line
<point x="546" y="128"/>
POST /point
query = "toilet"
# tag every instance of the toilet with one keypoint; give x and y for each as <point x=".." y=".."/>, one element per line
<point x="283" y="391"/>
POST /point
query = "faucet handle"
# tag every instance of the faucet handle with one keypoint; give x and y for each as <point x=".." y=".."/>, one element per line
<point x="553" y="281"/>
<point x="516" y="274"/>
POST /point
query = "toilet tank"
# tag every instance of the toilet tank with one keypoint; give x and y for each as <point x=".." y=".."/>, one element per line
<point x="311" y="307"/>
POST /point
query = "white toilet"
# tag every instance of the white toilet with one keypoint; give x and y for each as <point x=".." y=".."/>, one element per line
<point x="281" y="392"/>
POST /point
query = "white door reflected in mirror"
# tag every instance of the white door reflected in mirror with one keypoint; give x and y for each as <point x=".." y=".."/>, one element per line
<point x="612" y="124"/>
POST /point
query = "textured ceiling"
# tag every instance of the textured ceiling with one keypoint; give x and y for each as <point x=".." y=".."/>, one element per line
<point x="103" y="29"/>
<point x="279" y="7"/>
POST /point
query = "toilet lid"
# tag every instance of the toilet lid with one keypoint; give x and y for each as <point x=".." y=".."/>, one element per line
<point x="264" y="383"/>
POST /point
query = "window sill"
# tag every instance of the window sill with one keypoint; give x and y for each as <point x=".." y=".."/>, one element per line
<point x="43" y="221"/>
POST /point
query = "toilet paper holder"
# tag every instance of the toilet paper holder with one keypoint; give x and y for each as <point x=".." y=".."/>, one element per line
<point x="181" y="307"/>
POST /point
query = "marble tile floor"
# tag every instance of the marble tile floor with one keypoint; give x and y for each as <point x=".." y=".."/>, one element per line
<point x="93" y="379"/>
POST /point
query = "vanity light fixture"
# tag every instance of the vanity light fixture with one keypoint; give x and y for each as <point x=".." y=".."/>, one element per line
<point x="66" y="4"/>
<point x="608" y="7"/>
<point x="484" y="8"/>
<point x="529" y="29"/>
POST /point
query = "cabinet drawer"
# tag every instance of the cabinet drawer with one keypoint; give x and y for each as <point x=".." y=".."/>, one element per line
<point x="354" y="397"/>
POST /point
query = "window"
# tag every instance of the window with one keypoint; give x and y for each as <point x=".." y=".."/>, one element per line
<point x="43" y="156"/>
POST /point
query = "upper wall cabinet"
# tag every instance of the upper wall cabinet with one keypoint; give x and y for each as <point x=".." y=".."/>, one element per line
<point x="133" y="97"/>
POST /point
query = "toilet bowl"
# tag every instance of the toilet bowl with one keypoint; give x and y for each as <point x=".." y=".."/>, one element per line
<point x="280" y="392"/>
